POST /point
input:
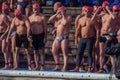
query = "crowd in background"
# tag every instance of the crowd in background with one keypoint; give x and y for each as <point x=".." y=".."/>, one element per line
<point x="90" y="26"/>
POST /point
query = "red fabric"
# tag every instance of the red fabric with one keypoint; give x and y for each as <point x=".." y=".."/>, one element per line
<point x="88" y="8"/>
<point x="17" y="13"/>
<point x="35" y="5"/>
<point x="4" y="7"/>
<point x="61" y="8"/>
<point x="105" y="3"/>
<point x="115" y="7"/>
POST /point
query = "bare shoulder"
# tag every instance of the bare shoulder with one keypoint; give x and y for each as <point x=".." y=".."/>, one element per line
<point x="43" y="16"/>
<point x="25" y="18"/>
<point x="14" y="19"/>
<point x="79" y="16"/>
<point x="30" y="16"/>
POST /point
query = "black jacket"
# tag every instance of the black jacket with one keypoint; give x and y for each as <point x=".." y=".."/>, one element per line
<point x="111" y="49"/>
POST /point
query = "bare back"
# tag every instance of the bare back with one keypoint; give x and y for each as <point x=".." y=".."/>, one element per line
<point x="37" y="24"/>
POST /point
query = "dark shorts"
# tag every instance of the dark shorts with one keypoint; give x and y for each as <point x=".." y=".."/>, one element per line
<point x="22" y="39"/>
<point x="23" y="4"/>
<point x="38" y="41"/>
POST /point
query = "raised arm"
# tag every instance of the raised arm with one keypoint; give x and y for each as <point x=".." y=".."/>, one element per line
<point x="110" y="12"/>
<point x="95" y="14"/>
<point x="53" y="18"/>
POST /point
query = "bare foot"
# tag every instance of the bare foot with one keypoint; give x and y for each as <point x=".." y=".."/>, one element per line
<point x="5" y="67"/>
<point x="29" y="68"/>
<point x="42" y="67"/>
<point x="63" y="69"/>
<point x="75" y="69"/>
<point x="81" y="70"/>
<point x="15" y="68"/>
<point x="101" y="70"/>
<point x="56" y="68"/>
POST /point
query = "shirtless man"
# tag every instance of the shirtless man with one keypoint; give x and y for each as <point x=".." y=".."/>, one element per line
<point x="76" y="22"/>
<point x="55" y="8"/>
<point x="39" y="35"/>
<point x="4" y="25"/>
<point x="21" y="25"/>
<point x="109" y="24"/>
<point x="62" y="23"/>
<point x="87" y="30"/>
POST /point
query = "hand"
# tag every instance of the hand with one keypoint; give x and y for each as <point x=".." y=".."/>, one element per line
<point x="107" y="8"/>
<point x="30" y="38"/>
<point x="45" y="40"/>
<point x="76" y="42"/>
<point x="58" y="12"/>
<point x="3" y="37"/>
<point x="108" y="37"/>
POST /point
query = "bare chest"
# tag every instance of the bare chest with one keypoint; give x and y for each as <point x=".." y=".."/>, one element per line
<point x="19" y="23"/>
<point x="36" y="21"/>
<point x="86" y="22"/>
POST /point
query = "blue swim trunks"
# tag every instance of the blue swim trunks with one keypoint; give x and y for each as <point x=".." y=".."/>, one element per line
<point x="23" y="4"/>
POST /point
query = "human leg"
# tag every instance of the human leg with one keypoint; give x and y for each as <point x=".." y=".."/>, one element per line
<point x="55" y="53"/>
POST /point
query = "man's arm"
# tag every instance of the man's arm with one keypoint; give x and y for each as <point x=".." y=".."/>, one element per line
<point x="97" y="29"/>
<point x="78" y="32"/>
<point x="53" y="18"/>
<point x="27" y="22"/>
<point x="77" y="19"/>
<point x="12" y="27"/>
<point x="45" y="29"/>
<point x="111" y="14"/>
<point x="95" y="14"/>
<point x="7" y="22"/>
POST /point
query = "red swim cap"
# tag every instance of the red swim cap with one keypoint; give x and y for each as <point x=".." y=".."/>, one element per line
<point x="4" y="7"/>
<point x="62" y="8"/>
<point x="35" y="5"/>
<point x="105" y="3"/>
<point x="88" y="8"/>
<point x="115" y="8"/>
<point x="17" y="13"/>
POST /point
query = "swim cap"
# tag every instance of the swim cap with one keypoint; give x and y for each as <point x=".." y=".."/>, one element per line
<point x="17" y="13"/>
<point x="4" y="7"/>
<point x="105" y="3"/>
<point x="62" y="8"/>
<point x="35" y="5"/>
<point x="88" y="8"/>
<point x="115" y="8"/>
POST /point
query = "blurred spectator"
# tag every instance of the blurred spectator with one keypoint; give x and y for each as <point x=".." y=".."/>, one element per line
<point x="73" y="3"/>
